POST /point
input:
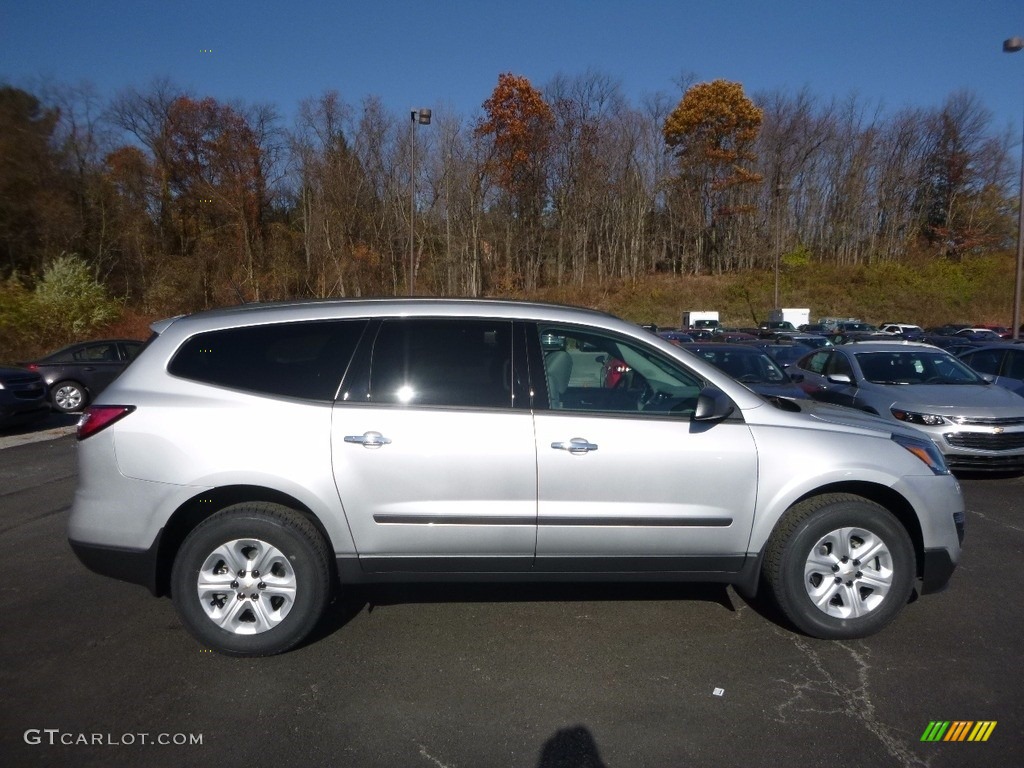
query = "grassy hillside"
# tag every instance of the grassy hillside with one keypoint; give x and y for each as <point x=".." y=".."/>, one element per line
<point x="977" y="290"/>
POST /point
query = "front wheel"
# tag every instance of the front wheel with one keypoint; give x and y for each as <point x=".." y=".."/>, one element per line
<point x="252" y="580"/>
<point x="840" y="566"/>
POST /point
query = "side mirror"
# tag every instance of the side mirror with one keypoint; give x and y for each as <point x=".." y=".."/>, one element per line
<point x="841" y="378"/>
<point x="713" y="405"/>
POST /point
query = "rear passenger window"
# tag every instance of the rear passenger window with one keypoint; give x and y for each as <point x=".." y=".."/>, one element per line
<point x="455" y="363"/>
<point x="304" y="360"/>
<point x="96" y="353"/>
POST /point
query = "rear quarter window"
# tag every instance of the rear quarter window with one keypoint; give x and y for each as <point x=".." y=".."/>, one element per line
<point x="304" y="360"/>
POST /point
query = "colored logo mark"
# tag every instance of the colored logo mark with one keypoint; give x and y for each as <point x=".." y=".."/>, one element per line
<point x="959" y="730"/>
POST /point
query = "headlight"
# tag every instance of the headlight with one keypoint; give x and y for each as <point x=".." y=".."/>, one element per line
<point x="926" y="451"/>
<point x="924" y="419"/>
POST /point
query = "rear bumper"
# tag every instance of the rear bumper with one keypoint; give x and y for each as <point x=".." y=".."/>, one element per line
<point x="131" y="565"/>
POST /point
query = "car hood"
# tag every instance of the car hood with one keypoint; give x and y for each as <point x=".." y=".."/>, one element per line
<point x="813" y="413"/>
<point x="778" y="390"/>
<point x="980" y="400"/>
<point x="839" y="415"/>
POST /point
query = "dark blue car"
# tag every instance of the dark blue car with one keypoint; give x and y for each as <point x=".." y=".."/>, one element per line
<point x="748" y="365"/>
<point x="22" y="397"/>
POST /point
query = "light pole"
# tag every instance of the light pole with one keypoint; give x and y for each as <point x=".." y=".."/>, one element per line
<point x="1013" y="45"/>
<point x="419" y="117"/>
<point x="778" y="241"/>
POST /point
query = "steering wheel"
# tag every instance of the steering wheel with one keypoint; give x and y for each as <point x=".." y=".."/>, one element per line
<point x="648" y="395"/>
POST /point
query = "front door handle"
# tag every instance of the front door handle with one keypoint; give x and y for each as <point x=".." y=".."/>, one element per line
<point x="577" y="446"/>
<point x="369" y="439"/>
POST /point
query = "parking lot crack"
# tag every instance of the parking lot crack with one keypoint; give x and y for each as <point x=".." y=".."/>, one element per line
<point x="822" y="692"/>
<point x="431" y="758"/>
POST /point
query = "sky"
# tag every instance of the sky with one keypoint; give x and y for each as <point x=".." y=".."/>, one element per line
<point x="448" y="55"/>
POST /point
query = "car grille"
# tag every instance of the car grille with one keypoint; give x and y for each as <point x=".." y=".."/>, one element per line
<point x="979" y="441"/>
<point x="989" y="422"/>
<point x="1011" y="463"/>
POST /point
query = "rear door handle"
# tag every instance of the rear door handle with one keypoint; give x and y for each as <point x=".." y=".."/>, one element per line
<point x="369" y="439"/>
<point x="577" y="446"/>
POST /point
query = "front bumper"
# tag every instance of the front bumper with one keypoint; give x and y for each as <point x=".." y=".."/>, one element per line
<point x="938" y="568"/>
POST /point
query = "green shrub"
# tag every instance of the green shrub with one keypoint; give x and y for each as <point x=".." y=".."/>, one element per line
<point x="19" y="333"/>
<point x="66" y="305"/>
<point x="70" y="303"/>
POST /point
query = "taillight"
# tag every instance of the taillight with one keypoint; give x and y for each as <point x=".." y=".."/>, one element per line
<point x="98" y="417"/>
<point x="32" y="366"/>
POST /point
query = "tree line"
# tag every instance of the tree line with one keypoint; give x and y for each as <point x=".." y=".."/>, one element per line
<point x="177" y="202"/>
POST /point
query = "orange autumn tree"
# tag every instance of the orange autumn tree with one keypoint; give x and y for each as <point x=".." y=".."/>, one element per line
<point x="519" y="123"/>
<point x="712" y="132"/>
<point x="216" y="178"/>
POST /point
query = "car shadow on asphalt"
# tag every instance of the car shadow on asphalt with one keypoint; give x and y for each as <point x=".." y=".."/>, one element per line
<point x="354" y="599"/>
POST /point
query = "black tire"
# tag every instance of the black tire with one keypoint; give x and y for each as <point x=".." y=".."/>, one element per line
<point x="279" y="607"/>
<point x="824" y="595"/>
<point x="68" y="396"/>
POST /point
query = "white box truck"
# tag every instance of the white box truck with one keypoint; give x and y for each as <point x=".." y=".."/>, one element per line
<point x="700" y="319"/>
<point x="796" y="315"/>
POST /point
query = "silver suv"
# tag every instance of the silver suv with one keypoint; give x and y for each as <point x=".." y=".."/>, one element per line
<point x="252" y="460"/>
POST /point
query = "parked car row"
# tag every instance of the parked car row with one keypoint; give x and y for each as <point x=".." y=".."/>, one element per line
<point x="961" y="384"/>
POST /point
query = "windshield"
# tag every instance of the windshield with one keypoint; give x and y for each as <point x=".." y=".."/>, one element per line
<point x="915" y="367"/>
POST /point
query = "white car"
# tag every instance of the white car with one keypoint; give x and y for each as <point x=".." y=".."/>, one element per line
<point x="901" y="329"/>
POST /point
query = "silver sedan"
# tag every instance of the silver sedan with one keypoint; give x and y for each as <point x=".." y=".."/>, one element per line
<point x="977" y="425"/>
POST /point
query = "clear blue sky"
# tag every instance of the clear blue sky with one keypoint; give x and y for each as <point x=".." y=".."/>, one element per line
<point x="431" y="54"/>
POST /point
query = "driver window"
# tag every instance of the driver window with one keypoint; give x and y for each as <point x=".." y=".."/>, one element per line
<point x="596" y="372"/>
<point x="839" y="364"/>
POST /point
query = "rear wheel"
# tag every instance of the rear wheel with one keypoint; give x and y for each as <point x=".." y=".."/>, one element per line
<point x="68" y="396"/>
<point x="840" y="566"/>
<point x="252" y="580"/>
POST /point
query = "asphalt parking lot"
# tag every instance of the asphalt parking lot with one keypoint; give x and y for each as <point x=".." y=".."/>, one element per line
<point x="96" y="672"/>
